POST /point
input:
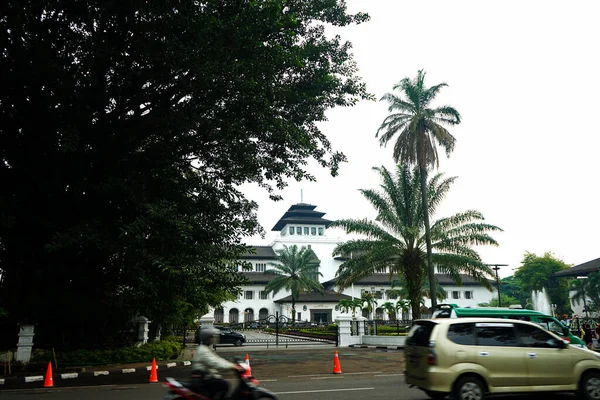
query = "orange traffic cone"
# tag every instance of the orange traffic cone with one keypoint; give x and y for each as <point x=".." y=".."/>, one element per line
<point x="48" y="382"/>
<point x="337" y="369"/>
<point x="248" y="364"/>
<point x="153" y="374"/>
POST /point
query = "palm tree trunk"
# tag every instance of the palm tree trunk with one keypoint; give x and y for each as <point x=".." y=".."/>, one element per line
<point x="430" y="270"/>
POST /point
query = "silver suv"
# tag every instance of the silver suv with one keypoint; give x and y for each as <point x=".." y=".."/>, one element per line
<point x="471" y="357"/>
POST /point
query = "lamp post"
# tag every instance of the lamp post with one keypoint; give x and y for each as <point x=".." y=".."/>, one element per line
<point x="585" y="309"/>
<point x="496" y="267"/>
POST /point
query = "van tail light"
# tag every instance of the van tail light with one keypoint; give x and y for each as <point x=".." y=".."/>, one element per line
<point x="431" y="356"/>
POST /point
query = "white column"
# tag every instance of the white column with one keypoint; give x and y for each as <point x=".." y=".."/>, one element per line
<point x="207" y="321"/>
<point x="143" y="330"/>
<point x="343" y="323"/>
<point x="362" y="328"/>
<point x="25" y="343"/>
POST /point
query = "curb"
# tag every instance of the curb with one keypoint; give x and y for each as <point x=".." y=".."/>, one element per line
<point x="364" y="346"/>
<point x="19" y="380"/>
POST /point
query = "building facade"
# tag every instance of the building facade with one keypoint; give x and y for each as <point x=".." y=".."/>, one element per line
<point x="303" y="226"/>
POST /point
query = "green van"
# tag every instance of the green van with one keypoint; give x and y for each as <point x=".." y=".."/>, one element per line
<point x="513" y="312"/>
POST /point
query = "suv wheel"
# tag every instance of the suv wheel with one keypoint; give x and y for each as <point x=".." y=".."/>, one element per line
<point x="590" y="386"/>
<point x="238" y="342"/>
<point x="469" y="388"/>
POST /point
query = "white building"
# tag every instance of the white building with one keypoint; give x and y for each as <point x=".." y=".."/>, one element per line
<point x="301" y="225"/>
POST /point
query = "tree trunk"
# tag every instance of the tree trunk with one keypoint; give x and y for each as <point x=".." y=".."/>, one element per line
<point x="430" y="270"/>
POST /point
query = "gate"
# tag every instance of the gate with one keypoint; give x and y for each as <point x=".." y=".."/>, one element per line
<point x="276" y="330"/>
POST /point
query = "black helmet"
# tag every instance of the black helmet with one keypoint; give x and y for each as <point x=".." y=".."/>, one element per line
<point x="207" y="333"/>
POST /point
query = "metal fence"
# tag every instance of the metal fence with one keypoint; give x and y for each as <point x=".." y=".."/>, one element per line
<point x="380" y="327"/>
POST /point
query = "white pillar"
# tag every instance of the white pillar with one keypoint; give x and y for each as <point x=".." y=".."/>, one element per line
<point x="207" y="321"/>
<point x="362" y="327"/>
<point x="343" y="323"/>
<point x="143" y="330"/>
<point x="25" y="343"/>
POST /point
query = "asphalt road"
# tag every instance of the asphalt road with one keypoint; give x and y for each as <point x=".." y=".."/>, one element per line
<point x="357" y="386"/>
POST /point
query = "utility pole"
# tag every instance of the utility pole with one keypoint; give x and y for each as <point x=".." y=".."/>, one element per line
<point x="496" y="267"/>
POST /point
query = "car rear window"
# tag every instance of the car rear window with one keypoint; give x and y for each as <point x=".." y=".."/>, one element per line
<point x="462" y="334"/>
<point x="419" y="333"/>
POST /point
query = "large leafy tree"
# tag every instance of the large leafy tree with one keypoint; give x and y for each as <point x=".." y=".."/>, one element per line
<point x="419" y="128"/>
<point x="535" y="274"/>
<point x="295" y="271"/>
<point x="127" y="127"/>
<point x="396" y="239"/>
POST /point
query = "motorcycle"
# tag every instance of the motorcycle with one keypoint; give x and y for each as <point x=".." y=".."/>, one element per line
<point x="248" y="388"/>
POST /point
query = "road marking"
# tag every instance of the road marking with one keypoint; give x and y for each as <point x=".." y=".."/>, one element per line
<point x="330" y="377"/>
<point x="391" y="375"/>
<point x="97" y="373"/>
<point x="348" y="373"/>
<point x="69" y="376"/>
<point x="326" y="390"/>
<point x="33" y="378"/>
<point x="128" y="370"/>
<point x="268" y="380"/>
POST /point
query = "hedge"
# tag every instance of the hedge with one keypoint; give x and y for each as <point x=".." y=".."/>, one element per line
<point x="165" y="350"/>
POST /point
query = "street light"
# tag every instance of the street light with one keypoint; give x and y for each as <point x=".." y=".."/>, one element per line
<point x="496" y="267"/>
<point x="585" y="309"/>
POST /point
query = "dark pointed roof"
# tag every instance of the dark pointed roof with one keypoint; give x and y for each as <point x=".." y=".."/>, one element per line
<point x="579" y="270"/>
<point x="259" y="252"/>
<point x="301" y="213"/>
<point x="384" y="280"/>
<point x="258" y="277"/>
<point x="328" y="296"/>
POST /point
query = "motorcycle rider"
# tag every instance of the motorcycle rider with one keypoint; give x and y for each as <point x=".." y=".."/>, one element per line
<point x="206" y="364"/>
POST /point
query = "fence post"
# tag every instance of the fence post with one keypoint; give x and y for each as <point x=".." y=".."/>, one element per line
<point x="276" y="328"/>
<point x="343" y="333"/>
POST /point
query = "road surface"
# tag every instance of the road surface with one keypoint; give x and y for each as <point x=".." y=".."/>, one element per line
<point x="350" y="386"/>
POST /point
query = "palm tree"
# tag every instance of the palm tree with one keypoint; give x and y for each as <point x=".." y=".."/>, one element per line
<point x="295" y="271"/>
<point x="395" y="239"/>
<point x="419" y="129"/>
<point x="369" y="302"/>
<point x="402" y="307"/>
<point x="347" y="305"/>
<point x="390" y="309"/>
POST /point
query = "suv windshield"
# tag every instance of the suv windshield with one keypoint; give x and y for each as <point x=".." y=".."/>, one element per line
<point x="419" y="333"/>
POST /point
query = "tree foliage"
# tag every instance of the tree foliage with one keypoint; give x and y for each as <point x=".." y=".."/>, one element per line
<point x="535" y="274"/>
<point x="127" y="128"/>
<point x="420" y="129"/>
<point x="396" y="239"/>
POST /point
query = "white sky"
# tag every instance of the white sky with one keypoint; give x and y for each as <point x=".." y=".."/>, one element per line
<point x="525" y="76"/>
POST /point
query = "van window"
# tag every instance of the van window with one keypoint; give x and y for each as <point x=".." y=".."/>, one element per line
<point x="462" y="334"/>
<point x="419" y="334"/>
<point x="553" y="326"/>
<point x="496" y="335"/>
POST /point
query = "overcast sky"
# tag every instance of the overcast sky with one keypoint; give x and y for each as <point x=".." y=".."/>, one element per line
<point x="525" y="76"/>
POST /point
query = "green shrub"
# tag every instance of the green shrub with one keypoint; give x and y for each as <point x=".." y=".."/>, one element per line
<point x="165" y="350"/>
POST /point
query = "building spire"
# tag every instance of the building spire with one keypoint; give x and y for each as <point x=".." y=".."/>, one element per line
<point x="301" y="195"/>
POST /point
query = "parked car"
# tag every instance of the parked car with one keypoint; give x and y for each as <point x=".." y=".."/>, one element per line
<point x="227" y="336"/>
<point x="472" y="357"/>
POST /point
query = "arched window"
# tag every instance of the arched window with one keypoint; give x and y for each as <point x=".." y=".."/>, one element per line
<point x="263" y="314"/>
<point x="365" y="312"/>
<point x="234" y="316"/>
<point x="218" y="315"/>
<point x="378" y="313"/>
<point x="248" y="315"/>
